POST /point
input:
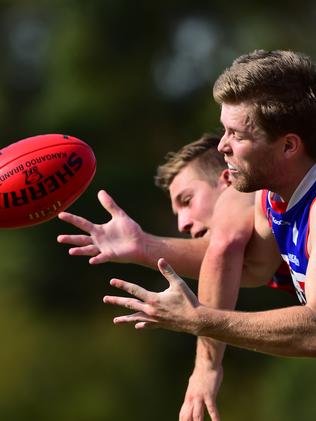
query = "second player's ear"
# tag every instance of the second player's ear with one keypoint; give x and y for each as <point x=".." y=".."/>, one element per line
<point x="224" y="178"/>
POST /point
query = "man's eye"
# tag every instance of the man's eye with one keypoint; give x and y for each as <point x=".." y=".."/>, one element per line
<point x="239" y="136"/>
<point x="186" y="200"/>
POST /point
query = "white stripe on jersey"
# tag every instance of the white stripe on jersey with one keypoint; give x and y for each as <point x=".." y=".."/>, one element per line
<point x="297" y="278"/>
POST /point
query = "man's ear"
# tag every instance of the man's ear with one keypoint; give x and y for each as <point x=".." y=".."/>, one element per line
<point x="291" y="144"/>
<point x="224" y="179"/>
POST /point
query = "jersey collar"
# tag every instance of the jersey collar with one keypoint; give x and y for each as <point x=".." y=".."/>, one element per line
<point x="303" y="187"/>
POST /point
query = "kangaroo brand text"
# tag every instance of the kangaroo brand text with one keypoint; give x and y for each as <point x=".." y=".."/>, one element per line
<point x="35" y="161"/>
<point x="44" y="187"/>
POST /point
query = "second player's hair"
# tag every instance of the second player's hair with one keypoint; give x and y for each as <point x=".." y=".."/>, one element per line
<point x="202" y="154"/>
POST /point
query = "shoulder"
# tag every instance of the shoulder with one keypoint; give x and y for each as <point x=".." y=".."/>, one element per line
<point x="232" y="220"/>
<point x="236" y="199"/>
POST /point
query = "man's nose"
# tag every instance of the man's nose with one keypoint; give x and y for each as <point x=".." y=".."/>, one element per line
<point x="224" y="145"/>
<point x="185" y="223"/>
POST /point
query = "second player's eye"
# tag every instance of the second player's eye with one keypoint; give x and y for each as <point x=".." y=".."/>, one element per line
<point x="186" y="200"/>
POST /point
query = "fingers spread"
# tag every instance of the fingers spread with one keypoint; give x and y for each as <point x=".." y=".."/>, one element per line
<point x="108" y="203"/>
<point x="76" y="240"/>
<point x="130" y="303"/>
<point x="147" y="325"/>
<point x="90" y="250"/>
<point x="100" y="258"/>
<point x="168" y="272"/>
<point x="141" y="319"/>
<point x="77" y="221"/>
<point x="132" y="289"/>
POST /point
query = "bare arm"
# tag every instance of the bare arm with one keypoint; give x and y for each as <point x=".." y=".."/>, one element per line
<point x="186" y="253"/>
<point x="285" y="332"/>
<point x="122" y="240"/>
<point x="219" y="284"/>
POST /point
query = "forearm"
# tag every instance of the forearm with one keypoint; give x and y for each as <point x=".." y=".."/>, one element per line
<point x="219" y="284"/>
<point x="221" y="269"/>
<point x="185" y="255"/>
<point x="218" y="288"/>
<point x="209" y="353"/>
<point x="285" y="332"/>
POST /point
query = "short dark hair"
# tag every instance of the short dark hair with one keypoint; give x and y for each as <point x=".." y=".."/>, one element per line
<point x="281" y="88"/>
<point x="202" y="153"/>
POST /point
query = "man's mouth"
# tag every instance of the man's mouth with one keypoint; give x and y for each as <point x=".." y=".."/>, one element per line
<point x="231" y="167"/>
<point x="233" y="171"/>
<point x="200" y="234"/>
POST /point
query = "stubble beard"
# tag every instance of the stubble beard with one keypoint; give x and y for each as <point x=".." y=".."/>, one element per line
<point x="247" y="183"/>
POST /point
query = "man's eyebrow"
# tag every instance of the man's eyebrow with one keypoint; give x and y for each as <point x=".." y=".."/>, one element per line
<point x="235" y="129"/>
<point x="179" y="196"/>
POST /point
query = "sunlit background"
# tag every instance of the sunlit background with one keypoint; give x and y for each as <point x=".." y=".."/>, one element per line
<point x="134" y="80"/>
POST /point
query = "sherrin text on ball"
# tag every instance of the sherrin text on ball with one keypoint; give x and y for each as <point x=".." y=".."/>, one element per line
<point x="41" y="176"/>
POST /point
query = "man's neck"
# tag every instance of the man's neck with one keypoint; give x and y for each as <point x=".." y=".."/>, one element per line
<point x="292" y="180"/>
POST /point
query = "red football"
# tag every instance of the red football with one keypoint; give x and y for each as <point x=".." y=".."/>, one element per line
<point x="42" y="175"/>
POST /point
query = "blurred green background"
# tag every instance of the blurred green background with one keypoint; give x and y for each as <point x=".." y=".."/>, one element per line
<point x="134" y="80"/>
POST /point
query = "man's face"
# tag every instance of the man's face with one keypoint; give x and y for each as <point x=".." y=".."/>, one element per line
<point x="252" y="160"/>
<point x="193" y="200"/>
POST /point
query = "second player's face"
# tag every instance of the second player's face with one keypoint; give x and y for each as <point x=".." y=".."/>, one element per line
<point x="193" y="200"/>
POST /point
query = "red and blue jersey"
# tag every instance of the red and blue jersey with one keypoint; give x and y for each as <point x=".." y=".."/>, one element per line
<point x="282" y="279"/>
<point x="290" y="226"/>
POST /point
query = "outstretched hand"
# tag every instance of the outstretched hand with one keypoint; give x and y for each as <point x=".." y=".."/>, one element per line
<point x="118" y="240"/>
<point x="173" y="309"/>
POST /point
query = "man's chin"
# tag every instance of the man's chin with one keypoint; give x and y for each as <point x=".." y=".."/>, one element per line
<point x="242" y="186"/>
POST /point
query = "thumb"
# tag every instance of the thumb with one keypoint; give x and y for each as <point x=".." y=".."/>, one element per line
<point x="175" y="280"/>
<point x="167" y="271"/>
<point x="108" y="203"/>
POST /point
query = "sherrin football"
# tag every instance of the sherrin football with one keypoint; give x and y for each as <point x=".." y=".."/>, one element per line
<point x="41" y="176"/>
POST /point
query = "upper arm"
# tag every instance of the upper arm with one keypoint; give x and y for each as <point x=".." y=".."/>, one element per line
<point x="262" y="257"/>
<point x="232" y="220"/>
<point x="219" y="280"/>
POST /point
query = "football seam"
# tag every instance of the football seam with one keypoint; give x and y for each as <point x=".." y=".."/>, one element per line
<point x="46" y="147"/>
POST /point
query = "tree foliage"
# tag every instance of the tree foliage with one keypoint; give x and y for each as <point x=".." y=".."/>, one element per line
<point x="134" y="80"/>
